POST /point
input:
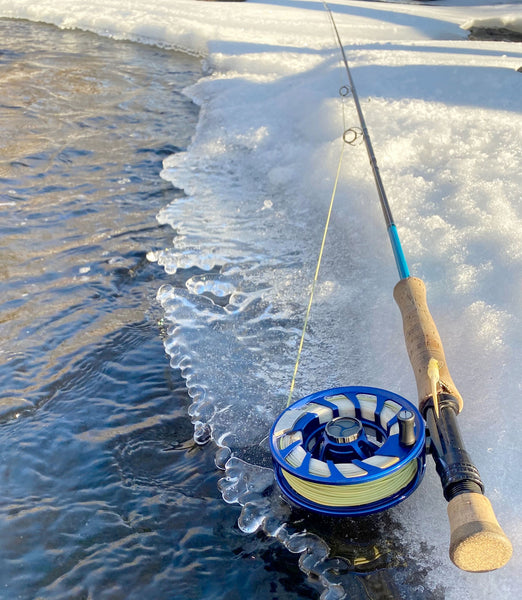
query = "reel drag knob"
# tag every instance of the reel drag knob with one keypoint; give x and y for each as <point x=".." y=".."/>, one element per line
<point x="344" y="430"/>
<point x="344" y="440"/>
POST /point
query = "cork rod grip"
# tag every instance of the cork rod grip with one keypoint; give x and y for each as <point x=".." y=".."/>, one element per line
<point x="477" y="542"/>
<point x="422" y="338"/>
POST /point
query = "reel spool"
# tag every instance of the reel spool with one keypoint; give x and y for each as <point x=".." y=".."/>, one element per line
<point x="348" y="451"/>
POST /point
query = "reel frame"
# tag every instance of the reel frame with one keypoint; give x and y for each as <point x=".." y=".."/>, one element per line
<point x="382" y="464"/>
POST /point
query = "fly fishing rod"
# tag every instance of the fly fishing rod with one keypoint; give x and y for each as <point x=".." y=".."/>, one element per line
<point x="355" y="451"/>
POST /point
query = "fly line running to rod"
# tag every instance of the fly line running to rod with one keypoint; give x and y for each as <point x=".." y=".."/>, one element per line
<point x="316" y="277"/>
<point x="349" y="137"/>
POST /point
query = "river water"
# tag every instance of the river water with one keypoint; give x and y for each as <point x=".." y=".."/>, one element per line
<point x="105" y="495"/>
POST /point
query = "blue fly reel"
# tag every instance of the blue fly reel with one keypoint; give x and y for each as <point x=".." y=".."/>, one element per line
<point x="348" y="451"/>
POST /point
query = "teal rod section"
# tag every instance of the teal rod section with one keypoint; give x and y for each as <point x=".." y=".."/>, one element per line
<point x="400" y="259"/>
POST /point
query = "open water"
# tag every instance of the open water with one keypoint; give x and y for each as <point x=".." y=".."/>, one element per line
<point x="105" y="495"/>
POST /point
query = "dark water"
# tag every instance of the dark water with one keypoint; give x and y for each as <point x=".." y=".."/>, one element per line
<point x="104" y="493"/>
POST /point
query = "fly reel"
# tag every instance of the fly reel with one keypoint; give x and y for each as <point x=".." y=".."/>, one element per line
<point x="348" y="451"/>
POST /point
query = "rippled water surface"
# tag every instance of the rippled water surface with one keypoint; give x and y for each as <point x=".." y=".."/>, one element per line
<point x="104" y="493"/>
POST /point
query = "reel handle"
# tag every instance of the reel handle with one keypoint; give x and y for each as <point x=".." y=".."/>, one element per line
<point x="477" y="542"/>
<point x="422" y="339"/>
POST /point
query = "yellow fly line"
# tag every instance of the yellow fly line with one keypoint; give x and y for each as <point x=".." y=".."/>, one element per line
<point x="357" y="494"/>
<point x="344" y="91"/>
<point x="316" y="277"/>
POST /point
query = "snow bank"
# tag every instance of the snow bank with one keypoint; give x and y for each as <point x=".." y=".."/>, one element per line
<point x="510" y="22"/>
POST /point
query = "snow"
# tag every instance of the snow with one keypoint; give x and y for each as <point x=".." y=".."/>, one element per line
<point x="445" y="118"/>
<point x="512" y="22"/>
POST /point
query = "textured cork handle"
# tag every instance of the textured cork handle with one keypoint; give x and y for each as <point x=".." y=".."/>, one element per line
<point x="477" y="542"/>
<point x="422" y="338"/>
